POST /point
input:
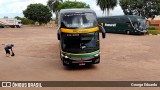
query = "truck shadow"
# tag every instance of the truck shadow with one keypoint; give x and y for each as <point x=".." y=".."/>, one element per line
<point x="86" y="67"/>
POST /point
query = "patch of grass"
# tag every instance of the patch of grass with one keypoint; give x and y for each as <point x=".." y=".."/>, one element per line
<point x="151" y="28"/>
<point x="154" y="32"/>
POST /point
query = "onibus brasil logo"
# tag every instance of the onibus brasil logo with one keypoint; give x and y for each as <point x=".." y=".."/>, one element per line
<point x="21" y="84"/>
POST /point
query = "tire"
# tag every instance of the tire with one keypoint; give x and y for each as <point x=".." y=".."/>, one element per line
<point x="1" y="26"/>
<point x="12" y="26"/>
<point x="64" y="64"/>
<point x="17" y="26"/>
<point x="62" y="59"/>
<point x="128" y="32"/>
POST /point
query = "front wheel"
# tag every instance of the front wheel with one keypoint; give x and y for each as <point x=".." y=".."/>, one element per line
<point x="128" y="32"/>
<point x="62" y="59"/>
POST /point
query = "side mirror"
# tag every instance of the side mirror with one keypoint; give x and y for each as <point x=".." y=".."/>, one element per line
<point x="58" y="34"/>
<point x="103" y="31"/>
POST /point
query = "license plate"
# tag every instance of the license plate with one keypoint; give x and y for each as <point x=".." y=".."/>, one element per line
<point x="82" y="64"/>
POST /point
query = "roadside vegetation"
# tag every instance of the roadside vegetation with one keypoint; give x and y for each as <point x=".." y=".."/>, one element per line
<point x="154" y="32"/>
<point x="145" y="8"/>
<point x="25" y="21"/>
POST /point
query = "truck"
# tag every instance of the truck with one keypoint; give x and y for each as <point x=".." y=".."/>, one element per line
<point x="78" y="34"/>
<point x="124" y="24"/>
<point x="10" y="22"/>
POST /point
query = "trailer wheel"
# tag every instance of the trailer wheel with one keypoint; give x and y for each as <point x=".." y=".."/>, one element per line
<point x="128" y="32"/>
<point x="17" y="26"/>
<point x="12" y="26"/>
<point x="1" y="26"/>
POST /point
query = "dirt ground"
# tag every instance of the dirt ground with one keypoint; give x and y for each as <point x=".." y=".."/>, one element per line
<point x="123" y="58"/>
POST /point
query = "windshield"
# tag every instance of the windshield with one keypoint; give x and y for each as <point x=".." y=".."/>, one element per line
<point x="79" y="20"/>
<point x="142" y="24"/>
<point x="75" y="43"/>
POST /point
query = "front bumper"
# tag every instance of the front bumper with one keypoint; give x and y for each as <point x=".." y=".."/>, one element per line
<point x="79" y="61"/>
<point x="85" y="58"/>
<point x="139" y="32"/>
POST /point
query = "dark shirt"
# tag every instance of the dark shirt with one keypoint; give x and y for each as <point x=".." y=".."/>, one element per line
<point x="9" y="46"/>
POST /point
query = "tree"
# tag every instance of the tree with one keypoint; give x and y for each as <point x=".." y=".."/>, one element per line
<point x="53" y="5"/>
<point x="145" y="8"/>
<point x="106" y="4"/>
<point x="38" y="13"/>
<point x="17" y="17"/>
<point x="72" y="4"/>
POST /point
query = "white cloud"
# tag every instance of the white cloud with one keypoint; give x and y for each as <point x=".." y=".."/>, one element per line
<point x="17" y="6"/>
<point x="117" y="11"/>
<point x="11" y="8"/>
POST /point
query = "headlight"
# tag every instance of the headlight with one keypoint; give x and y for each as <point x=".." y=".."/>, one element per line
<point x="66" y="57"/>
<point x="96" y="55"/>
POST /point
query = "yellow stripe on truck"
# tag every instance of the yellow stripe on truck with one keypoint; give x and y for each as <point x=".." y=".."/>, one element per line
<point x="88" y="30"/>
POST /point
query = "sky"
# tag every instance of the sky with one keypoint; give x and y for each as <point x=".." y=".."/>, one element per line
<point x="12" y="8"/>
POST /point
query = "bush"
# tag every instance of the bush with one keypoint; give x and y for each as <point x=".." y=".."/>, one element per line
<point x="154" y="32"/>
<point x="27" y="21"/>
<point x="151" y="28"/>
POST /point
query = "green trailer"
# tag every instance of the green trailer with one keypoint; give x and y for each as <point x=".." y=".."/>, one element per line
<point x="124" y="24"/>
<point x="2" y="25"/>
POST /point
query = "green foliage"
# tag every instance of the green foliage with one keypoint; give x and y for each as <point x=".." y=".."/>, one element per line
<point x="154" y="32"/>
<point x="151" y="28"/>
<point x="17" y="17"/>
<point x="38" y="13"/>
<point x="106" y="4"/>
<point x="145" y="8"/>
<point x="72" y="4"/>
<point x="27" y="21"/>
